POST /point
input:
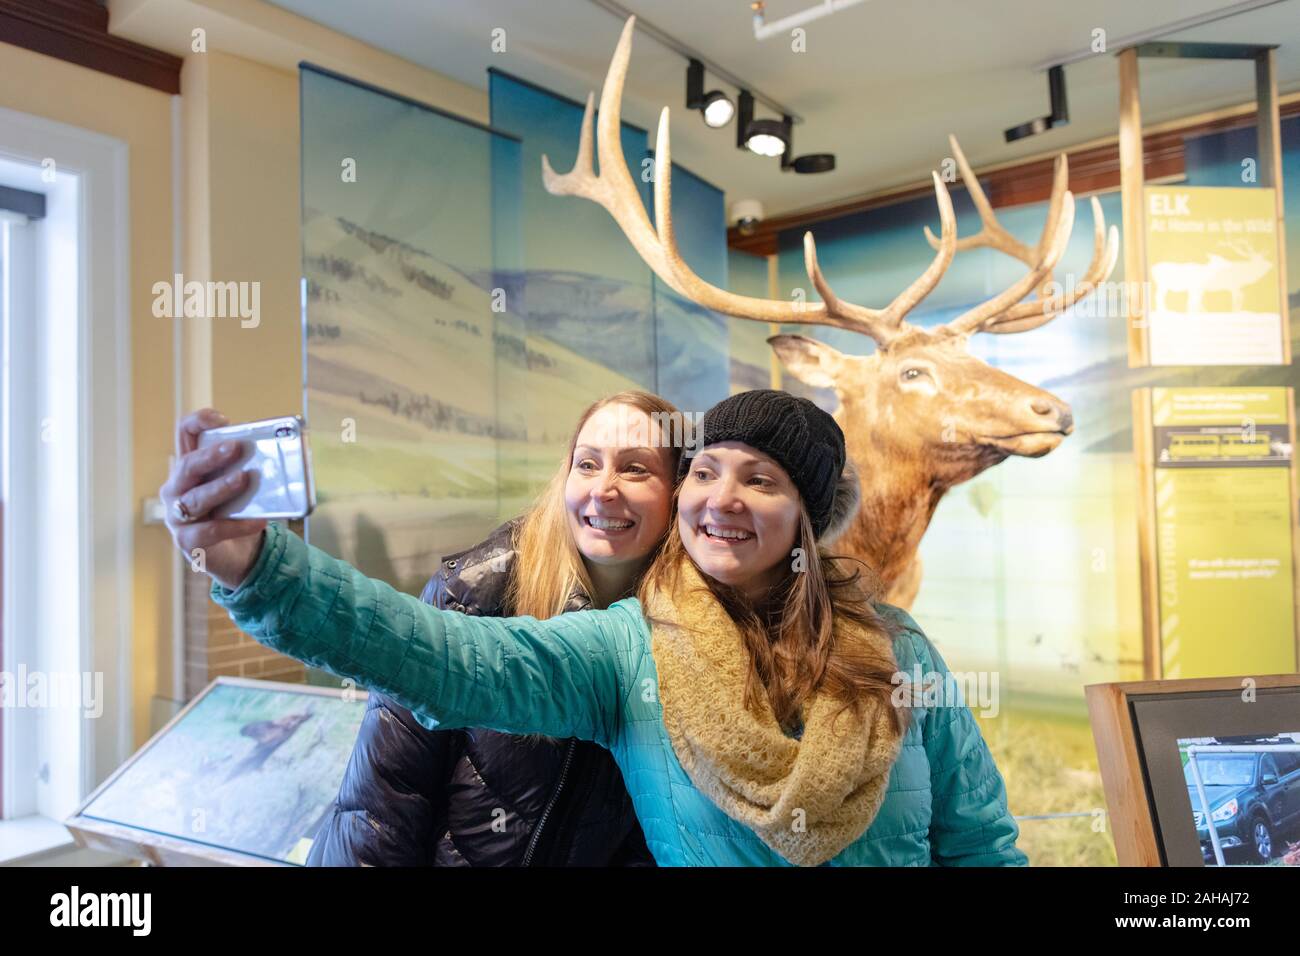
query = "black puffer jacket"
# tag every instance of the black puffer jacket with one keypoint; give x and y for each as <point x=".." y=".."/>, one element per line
<point x="416" y="797"/>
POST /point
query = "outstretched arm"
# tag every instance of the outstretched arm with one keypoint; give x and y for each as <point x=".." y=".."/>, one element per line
<point x="560" y="677"/>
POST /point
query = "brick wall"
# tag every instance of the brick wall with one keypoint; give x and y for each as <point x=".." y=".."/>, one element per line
<point x="215" y="647"/>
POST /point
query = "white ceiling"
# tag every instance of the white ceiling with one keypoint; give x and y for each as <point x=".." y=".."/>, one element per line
<point x="880" y="85"/>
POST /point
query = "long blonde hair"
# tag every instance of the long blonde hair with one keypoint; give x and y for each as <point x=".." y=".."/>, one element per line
<point x="549" y="566"/>
<point x="793" y="647"/>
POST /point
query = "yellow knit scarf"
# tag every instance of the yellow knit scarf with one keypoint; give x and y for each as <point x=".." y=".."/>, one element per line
<point x="807" y="799"/>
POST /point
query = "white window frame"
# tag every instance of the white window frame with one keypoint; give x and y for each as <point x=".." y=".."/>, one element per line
<point x="77" y="615"/>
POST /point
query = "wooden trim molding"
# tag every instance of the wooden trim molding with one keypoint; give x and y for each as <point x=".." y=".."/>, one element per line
<point x="77" y="31"/>
<point x="1092" y="169"/>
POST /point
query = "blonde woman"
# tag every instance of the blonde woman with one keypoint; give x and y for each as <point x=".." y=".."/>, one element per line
<point x="476" y="797"/>
<point x="748" y="692"/>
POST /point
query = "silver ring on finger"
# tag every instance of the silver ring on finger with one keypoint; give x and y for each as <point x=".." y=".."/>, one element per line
<point x="181" y="513"/>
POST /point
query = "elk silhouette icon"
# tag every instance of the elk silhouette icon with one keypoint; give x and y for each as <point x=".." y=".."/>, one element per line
<point x="1216" y="274"/>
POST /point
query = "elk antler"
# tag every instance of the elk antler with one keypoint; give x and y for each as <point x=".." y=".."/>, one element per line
<point x="1029" y="315"/>
<point x="657" y="245"/>
<point x="614" y="190"/>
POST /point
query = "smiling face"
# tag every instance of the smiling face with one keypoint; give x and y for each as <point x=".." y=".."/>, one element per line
<point x="738" y="516"/>
<point x="618" y="495"/>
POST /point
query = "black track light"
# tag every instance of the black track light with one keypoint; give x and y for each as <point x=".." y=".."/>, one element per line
<point x="715" y="106"/>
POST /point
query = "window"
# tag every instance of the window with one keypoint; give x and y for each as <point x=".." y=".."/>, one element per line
<point x="1286" y="763"/>
<point x="1267" y="766"/>
<point x="67" y="511"/>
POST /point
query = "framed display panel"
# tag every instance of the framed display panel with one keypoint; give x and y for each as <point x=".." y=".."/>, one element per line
<point x="244" y="775"/>
<point x="1217" y="530"/>
<point x="1168" y="750"/>
<point x="1232" y="265"/>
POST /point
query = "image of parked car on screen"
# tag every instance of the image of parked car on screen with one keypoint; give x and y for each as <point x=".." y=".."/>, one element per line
<point x="1244" y="795"/>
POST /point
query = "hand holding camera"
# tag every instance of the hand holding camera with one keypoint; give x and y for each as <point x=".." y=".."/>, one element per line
<point x="226" y="481"/>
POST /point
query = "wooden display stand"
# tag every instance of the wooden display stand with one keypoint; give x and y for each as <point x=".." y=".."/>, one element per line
<point x="157" y="848"/>
<point x="1122" y="762"/>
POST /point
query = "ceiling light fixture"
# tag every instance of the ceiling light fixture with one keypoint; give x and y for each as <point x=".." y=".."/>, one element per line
<point x="715" y="106"/>
<point x="811" y="163"/>
<point x="766" y="137"/>
<point x="772" y="138"/>
<point x="716" y="70"/>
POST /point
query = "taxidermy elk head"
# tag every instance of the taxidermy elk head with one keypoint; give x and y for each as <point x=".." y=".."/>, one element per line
<point x="921" y="414"/>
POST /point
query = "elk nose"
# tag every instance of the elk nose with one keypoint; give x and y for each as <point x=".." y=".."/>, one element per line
<point x="1048" y="407"/>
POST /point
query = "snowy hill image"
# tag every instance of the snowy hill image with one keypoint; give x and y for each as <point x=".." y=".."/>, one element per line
<point x="433" y="417"/>
<point x="669" y="344"/>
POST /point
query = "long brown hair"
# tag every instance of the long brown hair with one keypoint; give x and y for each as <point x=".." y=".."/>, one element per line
<point x="793" y="647"/>
<point x="549" y="566"/>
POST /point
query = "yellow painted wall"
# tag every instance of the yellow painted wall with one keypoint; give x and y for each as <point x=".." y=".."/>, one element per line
<point x="254" y="217"/>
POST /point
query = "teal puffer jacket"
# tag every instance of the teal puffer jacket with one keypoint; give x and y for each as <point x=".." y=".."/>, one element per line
<point x="590" y="674"/>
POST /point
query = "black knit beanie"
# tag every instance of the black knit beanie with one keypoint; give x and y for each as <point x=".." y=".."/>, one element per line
<point x="799" y="436"/>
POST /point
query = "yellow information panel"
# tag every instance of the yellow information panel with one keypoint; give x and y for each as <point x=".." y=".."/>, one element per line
<point x="1215" y="294"/>
<point x="1223" y="536"/>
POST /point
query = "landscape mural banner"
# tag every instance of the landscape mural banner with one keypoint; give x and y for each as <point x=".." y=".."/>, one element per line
<point x="414" y="347"/>
<point x="458" y="318"/>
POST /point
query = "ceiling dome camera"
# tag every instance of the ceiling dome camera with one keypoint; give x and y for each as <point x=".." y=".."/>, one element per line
<point x="745" y="215"/>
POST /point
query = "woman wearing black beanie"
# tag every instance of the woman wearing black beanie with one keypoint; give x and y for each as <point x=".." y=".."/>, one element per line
<point x="753" y="695"/>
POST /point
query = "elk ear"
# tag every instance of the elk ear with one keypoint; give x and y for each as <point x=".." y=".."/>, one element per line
<point x="810" y="361"/>
<point x="844" y="504"/>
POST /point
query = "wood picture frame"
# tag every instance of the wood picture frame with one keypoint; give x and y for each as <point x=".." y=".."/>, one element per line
<point x="160" y="847"/>
<point x="1124" y="757"/>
